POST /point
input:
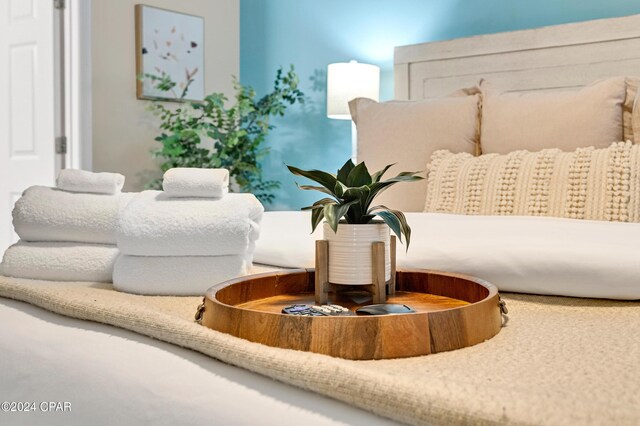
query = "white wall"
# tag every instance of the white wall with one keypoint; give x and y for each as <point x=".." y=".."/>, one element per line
<point x="123" y="131"/>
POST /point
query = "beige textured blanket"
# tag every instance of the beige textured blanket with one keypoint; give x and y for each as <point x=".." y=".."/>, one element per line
<point x="557" y="361"/>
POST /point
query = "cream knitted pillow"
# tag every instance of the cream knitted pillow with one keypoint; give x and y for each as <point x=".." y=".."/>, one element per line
<point x="597" y="184"/>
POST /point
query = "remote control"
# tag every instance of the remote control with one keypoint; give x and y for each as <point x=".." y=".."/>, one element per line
<point x="384" y="309"/>
<point x="303" y="311"/>
<point x="316" y="311"/>
<point x="330" y="309"/>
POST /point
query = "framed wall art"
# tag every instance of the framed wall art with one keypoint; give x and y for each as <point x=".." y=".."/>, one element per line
<point x="169" y="55"/>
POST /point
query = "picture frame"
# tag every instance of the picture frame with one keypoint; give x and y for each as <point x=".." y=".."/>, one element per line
<point x="169" y="48"/>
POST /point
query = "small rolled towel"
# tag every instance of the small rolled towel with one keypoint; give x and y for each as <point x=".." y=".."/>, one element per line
<point x="83" y="181"/>
<point x="192" y="182"/>
<point x="154" y="224"/>
<point x="50" y="214"/>
<point x="175" y="276"/>
<point x="60" y="261"/>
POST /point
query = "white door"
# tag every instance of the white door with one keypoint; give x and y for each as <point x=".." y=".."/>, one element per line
<point x="27" y="113"/>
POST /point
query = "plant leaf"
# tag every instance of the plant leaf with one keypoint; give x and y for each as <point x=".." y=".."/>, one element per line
<point x="315" y="188"/>
<point x="379" y="187"/>
<point x="317" y="211"/>
<point x="393" y="222"/>
<point x="404" y="177"/>
<point x="317" y="214"/>
<point x="359" y="176"/>
<point x="334" y="212"/>
<point x="396" y="220"/>
<point x="339" y="189"/>
<point x="357" y="210"/>
<point x="360" y="193"/>
<point x="344" y="171"/>
<point x="378" y="175"/>
<point x="319" y="204"/>
<point x="323" y="178"/>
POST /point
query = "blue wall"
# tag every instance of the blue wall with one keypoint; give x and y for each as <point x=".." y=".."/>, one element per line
<point x="313" y="33"/>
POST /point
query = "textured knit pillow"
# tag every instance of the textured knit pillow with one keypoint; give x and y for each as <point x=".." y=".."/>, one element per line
<point x="589" y="183"/>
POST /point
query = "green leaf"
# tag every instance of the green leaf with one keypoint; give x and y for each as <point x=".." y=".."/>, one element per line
<point x="340" y="189"/>
<point x="359" y="176"/>
<point x="359" y="193"/>
<point x="344" y="171"/>
<point x="315" y="188"/>
<point x="378" y="175"/>
<point x="396" y="220"/>
<point x="404" y="177"/>
<point x="393" y="222"/>
<point x="357" y="210"/>
<point x="378" y="187"/>
<point x="323" y="178"/>
<point x="319" y="203"/>
<point x="317" y="214"/>
<point x="334" y="212"/>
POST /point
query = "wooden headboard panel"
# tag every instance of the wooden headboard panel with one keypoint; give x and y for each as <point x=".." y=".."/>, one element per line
<point x="548" y="58"/>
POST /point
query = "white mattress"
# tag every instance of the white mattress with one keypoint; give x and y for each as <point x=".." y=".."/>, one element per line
<point x="114" y="376"/>
<point x="539" y="255"/>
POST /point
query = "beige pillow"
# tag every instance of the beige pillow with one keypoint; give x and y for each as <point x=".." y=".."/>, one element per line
<point x="591" y="116"/>
<point x="589" y="183"/>
<point x="631" y="111"/>
<point x="407" y="133"/>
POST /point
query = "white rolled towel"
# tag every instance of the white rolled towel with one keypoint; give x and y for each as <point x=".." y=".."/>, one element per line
<point x="83" y="181"/>
<point x="192" y="182"/>
<point x="154" y="224"/>
<point x="56" y="261"/>
<point x="50" y="214"/>
<point x="175" y="276"/>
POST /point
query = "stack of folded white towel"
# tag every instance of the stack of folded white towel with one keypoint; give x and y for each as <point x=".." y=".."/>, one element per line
<point x="187" y="238"/>
<point x="67" y="233"/>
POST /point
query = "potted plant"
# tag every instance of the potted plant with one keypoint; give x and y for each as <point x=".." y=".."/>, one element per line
<point x="352" y="191"/>
<point x="219" y="133"/>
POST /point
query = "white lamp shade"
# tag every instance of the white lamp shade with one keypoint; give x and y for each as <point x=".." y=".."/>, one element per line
<point x="347" y="81"/>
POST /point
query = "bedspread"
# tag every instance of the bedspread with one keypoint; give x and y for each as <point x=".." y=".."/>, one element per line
<point x="540" y="255"/>
<point x="558" y="361"/>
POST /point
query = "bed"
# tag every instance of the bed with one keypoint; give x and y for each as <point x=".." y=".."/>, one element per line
<point x="109" y="374"/>
<point x="115" y="376"/>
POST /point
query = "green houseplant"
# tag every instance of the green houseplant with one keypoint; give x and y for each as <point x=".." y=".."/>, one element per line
<point x="349" y="216"/>
<point x="237" y="131"/>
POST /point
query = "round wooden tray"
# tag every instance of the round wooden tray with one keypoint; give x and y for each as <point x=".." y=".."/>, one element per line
<point x="452" y="311"/>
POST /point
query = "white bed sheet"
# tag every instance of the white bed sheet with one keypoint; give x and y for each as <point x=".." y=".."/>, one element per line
<point x="113" y="376"/>
<point x="539" y="255"/>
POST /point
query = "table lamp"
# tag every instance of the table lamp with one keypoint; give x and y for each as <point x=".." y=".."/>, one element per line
<point x="347" y="81"/>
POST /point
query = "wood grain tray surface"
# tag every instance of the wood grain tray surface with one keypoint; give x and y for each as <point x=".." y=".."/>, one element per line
<point x="452" y="311"/>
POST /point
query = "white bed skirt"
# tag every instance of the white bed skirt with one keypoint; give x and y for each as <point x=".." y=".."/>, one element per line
<point x="538" y="255"/>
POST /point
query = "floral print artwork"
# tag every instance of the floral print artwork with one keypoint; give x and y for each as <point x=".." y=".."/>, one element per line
<point x="171" y="45"/>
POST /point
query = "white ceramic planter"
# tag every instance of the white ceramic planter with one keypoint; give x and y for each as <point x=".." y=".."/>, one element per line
<point x="350" y="259"/>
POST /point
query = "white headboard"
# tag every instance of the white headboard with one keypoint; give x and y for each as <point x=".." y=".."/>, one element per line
<point x="548" y="58"/>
